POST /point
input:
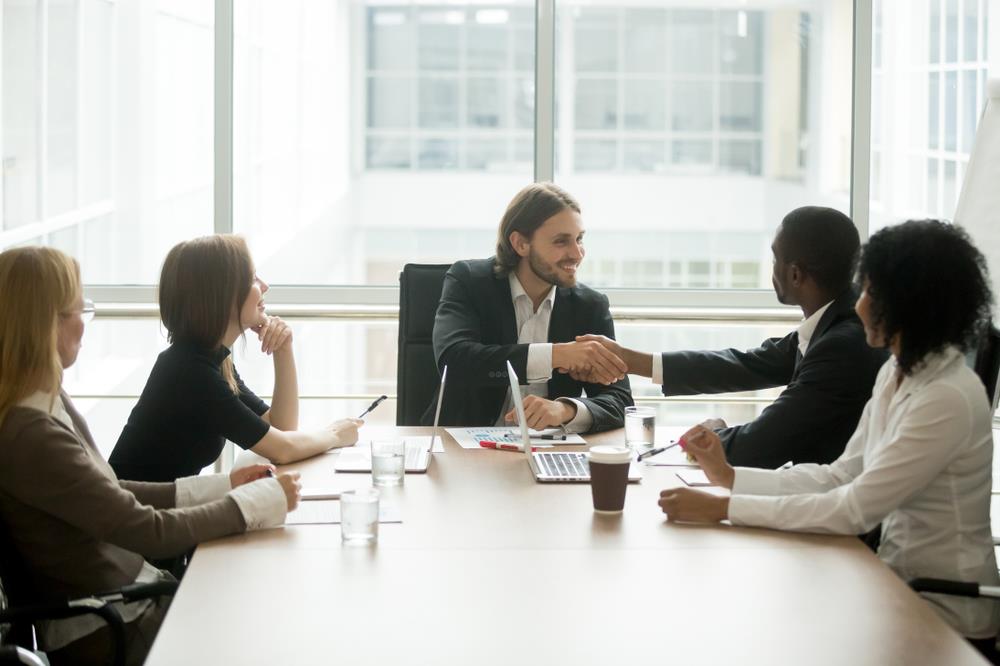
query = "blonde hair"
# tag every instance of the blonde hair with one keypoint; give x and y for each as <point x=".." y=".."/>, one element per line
<point x="36" y="285"/>
<point x="203" y="283"/>
<point x="527" y="211"/>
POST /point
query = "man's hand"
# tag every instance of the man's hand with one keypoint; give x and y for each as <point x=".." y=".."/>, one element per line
<point x="705" y="447"/>
<point x="250" y="473"/>
<point x="541" y="413"/>
<point x="693" y="506"/>
<point x="588" y="358"/>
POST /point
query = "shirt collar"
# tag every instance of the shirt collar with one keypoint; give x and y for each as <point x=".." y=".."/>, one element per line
<point x="48" y="404"/>
<point x="808" y="327"/>
<point x="517" y="291"/>
<point x="928" y="368"/>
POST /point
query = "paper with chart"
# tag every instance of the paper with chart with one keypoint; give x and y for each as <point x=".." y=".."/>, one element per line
<point x="469" y="438"/>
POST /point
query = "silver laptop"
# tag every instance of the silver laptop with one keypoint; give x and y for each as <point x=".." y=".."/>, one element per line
<point x="418" y="449"/>
<point x="554" y="466"/>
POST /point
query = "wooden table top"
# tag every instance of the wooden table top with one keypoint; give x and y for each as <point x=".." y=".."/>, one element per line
<point x="490" y="567"/>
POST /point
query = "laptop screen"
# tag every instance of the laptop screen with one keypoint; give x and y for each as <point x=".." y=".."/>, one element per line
<point x="515" y="396"/>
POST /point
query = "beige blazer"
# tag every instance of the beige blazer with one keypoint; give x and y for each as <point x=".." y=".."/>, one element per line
<point x="77" y="527"/>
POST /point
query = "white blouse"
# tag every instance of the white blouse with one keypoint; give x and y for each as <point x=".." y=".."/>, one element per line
<point x="920" y="463"/>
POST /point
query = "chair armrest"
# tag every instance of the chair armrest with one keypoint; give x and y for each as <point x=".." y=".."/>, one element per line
<point x="140" y="591"/>
<point x="941" y="586"/>
<point x="74" y="608"/>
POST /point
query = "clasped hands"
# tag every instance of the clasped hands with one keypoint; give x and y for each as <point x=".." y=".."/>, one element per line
<point x="595" y="359"/>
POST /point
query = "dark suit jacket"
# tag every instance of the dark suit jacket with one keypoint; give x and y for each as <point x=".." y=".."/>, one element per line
<point x="475" y="333"/>
<point x="819" y="409"/>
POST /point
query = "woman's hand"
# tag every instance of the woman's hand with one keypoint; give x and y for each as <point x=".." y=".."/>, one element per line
<point x="344" y="432"/>
<point x="274" y="334"/>
<point x="705" y="447"/>
<point x="693" y="506"/>
<point x="293" y="488"/>
<point x="250" y="473"/>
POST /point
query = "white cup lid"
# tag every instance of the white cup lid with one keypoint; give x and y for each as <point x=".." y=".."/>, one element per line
<point x="610" y="454"/>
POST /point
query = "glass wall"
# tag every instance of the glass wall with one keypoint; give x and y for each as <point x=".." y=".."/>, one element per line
<point x="106" y="130"/>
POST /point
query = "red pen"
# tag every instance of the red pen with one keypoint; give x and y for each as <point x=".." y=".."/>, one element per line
<point x="502" y="447"/>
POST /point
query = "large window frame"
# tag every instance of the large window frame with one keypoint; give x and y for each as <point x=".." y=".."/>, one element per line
<point x="359" y="301"/>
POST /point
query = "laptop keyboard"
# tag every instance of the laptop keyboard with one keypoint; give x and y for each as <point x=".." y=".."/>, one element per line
<point x="564" y="464"/>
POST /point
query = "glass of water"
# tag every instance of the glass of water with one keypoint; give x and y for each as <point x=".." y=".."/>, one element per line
<point x="359" y="517"/>
<point x="388" y="462"/>
<point x="640" y="427"/>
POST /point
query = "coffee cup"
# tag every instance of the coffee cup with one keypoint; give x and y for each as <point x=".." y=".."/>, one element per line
<point x="609" y="476"/>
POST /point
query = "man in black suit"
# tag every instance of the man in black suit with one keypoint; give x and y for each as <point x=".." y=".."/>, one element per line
<point x="525" y="306"/>
<point x="826" y="365"/>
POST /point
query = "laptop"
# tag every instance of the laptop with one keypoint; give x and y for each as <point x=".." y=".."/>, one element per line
<point x="418" y="449"/>
<point x="554" y="466"/>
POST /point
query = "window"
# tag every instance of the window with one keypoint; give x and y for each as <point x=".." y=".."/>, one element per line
<point x="688" y="133"/>
<point x="107" y="136"/>
<point x="929" y="67"/>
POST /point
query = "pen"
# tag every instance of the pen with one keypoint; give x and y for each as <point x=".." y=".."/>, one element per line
<point x="653" y="452"/>
<point x="500" y="446"/>
<point x="562" y="437"/>
<point x="372" y="406"/>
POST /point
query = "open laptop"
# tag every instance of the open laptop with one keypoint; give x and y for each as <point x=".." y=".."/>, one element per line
<point x="418" y="449"/>
<point x="554" y="466"/>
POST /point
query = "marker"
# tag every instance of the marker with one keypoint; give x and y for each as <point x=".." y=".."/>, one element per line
<point x="500" y="446"/>
<point x="562" y="437"/>
<point x="372" y="406"/>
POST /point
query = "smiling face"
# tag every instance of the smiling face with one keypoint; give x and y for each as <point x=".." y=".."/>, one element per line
<point x="555" y="250"/>
<point x="252" y="310"/>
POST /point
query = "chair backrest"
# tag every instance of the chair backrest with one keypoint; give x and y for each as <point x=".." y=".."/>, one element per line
<point x="416" y="371"/>
<point x="987" y="362"/>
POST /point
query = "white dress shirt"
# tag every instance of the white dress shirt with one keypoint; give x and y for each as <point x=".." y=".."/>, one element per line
<point x="806" y="330"/>
<point x="533" y="330"/>
<point x="920" y="463"/>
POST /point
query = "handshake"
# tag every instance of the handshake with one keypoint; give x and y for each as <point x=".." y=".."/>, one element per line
<point x="595" y="359"/>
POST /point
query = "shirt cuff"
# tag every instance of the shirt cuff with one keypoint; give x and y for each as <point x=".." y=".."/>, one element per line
<point x="539" y="362"/>
<point x="262" y="503"/>
<point x="583" y="419"/>
<point x="196" y="490"/>
<point x="753" y="481"/>
<point x="657" y="374"/>
<point x="752" y="511"/>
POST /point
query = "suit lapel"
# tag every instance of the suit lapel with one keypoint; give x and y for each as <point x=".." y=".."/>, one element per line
<point x="561" y="324"/>
<point x="842" y="306"/>
<point x="508" y="320"/>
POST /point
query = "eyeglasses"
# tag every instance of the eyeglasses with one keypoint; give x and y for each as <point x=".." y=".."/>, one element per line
<point x="87" y="312"/>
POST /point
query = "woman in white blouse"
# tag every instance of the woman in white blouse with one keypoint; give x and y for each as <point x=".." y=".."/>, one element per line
<point x="920" y="460"/>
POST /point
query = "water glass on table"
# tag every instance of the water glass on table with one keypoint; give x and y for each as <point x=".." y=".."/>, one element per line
<point x="640" y="427"/>
<point x="388" y="462"/>
<point x="359" y="517"/>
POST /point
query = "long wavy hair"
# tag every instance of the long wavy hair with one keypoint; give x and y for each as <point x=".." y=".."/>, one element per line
<point x="37" y="284"/>
<point x="527" y="211"/>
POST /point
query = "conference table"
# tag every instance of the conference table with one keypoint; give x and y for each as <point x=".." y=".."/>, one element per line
<point x="490" y="567"/>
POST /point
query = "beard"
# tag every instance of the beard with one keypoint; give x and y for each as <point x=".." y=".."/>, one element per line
<point x="548" y="272"/>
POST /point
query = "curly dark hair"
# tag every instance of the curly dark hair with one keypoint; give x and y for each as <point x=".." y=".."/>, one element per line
<point x="929" y="283"/>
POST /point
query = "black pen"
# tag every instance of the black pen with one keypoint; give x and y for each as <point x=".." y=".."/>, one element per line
<point x="653" y="452"/>
<point x="372" y="406"/>
<point x="555" y="437"/>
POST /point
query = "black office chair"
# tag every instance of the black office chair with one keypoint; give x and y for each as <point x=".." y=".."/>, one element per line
<point x="21" y="608"/>
<point x="416" y="371"/>
<point x="986" y="362"/>
<point x="959" y="589"/>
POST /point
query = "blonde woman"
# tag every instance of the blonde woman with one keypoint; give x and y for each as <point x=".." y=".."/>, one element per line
<point x="77" y="527"/>
<point x="194" y="399"/>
